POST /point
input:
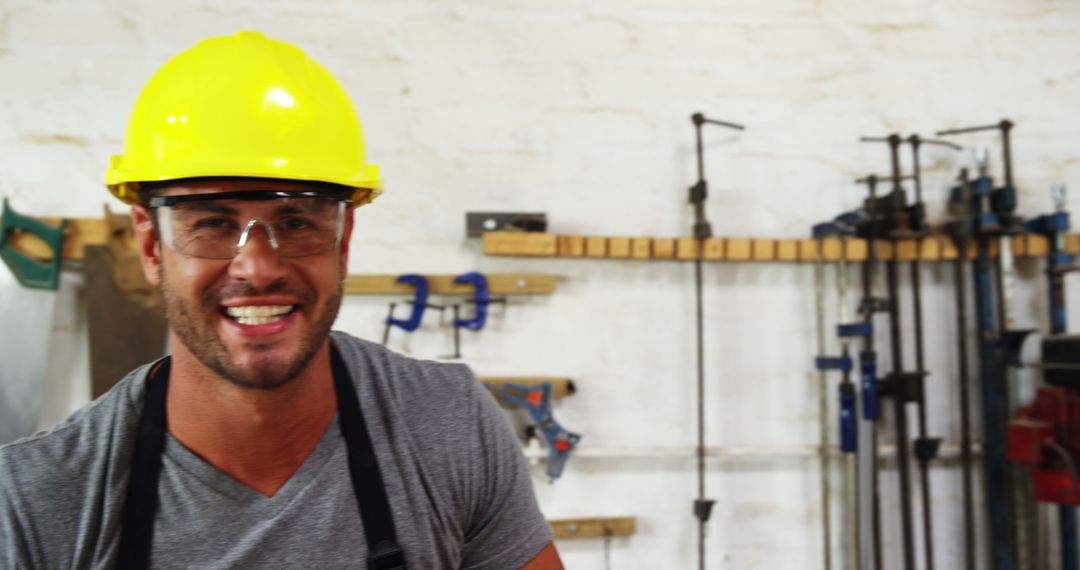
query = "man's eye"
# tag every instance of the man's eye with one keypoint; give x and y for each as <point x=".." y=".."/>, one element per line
<point x="218" y="223"/>
<point x="296" y="224"/>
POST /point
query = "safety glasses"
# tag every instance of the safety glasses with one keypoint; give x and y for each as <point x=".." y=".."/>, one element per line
<point x="218" y="225"/>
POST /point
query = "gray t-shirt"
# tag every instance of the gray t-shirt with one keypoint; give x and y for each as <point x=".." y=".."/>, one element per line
<point x="456" y="479"/>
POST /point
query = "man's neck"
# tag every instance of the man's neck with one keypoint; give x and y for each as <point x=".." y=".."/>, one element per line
<point x="258" y="437"/>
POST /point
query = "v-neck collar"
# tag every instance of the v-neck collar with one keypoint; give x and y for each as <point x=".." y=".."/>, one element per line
<point x="176" y="455"/>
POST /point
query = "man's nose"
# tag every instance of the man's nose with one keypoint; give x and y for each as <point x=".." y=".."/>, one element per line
<point x="256" y="260"/>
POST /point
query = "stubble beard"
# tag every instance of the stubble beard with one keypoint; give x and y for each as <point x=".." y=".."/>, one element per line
<point x="195" y="324"/>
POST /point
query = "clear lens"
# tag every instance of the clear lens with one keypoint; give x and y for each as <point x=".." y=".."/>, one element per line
<point x="217" y="229"/>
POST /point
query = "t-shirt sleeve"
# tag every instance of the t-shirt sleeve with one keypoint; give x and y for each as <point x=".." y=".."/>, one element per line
<point x="506" y="528"/>
<point x="14" y="550"/>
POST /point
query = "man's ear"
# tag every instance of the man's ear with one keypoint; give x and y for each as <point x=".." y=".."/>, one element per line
<point x="146" y="237"/>
<point x="346" y="234"/>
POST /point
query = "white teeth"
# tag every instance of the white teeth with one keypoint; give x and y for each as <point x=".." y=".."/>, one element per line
<point x="258" y="314"/>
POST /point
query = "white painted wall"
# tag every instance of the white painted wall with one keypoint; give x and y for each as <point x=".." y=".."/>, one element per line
<point x="581" y="109"/>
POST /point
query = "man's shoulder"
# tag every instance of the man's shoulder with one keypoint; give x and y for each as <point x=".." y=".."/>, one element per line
<point x="429" y="397"/>
<point x="94" y="431"/>
<point x="372" y="363"/>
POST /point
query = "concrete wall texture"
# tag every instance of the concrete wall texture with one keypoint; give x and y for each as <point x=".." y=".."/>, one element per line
<point x="580" y="108"/>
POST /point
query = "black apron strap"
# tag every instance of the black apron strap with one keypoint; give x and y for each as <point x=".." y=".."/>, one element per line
<point x="137" y="530"/>
<point x="140" y="504"/>
<point x="384" y="553"/>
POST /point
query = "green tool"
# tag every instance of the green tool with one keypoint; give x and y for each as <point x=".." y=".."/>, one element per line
<point x="30" y="272"/>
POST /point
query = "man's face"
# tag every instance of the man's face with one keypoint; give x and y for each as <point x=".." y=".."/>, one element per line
<point x="258" y="318"/>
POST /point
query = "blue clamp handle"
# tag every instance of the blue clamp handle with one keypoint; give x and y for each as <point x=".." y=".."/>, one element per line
<point x="30" y="272"/>
<point x="537" y="400"/>
<point x="826" y="229"/>
<point x="868" y="377"/>
<point x="849" y="434"/>
<point x="481" y="298"/>
<point x="850" y="219"/>
<point x="982" y="186"/>
<point x="832" y="363"/>
<point x="419" y="302"/>
<point x="855" y="330"/>
<point x="1049" y="224"/>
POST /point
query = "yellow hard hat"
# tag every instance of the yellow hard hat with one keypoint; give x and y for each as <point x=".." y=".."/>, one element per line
<point x="243" y="105"/>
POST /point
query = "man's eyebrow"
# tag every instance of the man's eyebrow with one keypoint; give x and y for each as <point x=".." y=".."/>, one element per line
<point x="295" y="207"/>
<point x="208" y="206"/>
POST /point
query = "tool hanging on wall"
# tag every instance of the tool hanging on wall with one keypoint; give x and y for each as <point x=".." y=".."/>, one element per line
<point x="1044" y="435"/>
<point x="481" y="300"/>
<point x="926" y="447"/>
<point x="419" y="302"/>
<point x="31" y="273"/>
<point x="824" y="363"/>
<point x="702" y="231"/>
<point x="901" y="385"/>
<point x="869" y="227"/>
<point x="991" y="209"/>
<point x="847" y="407"/>
<point x="31" y="301"/>
<point x="536" y="399"/>
<point x="959" y="230"/>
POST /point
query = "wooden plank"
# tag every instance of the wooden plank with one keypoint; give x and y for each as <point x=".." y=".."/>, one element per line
<point x="832" y="249"/>
<point x="498" y="284"/>
<point x="907" y="249"/>
<point x="972" y="250"/>
<point x="560" y="387"/>
<point x="1072" y="243"/>
<point x="663" y="248"/>
<point x="763" y="249"/>
<point x="948" y="249"/>
<point x="856" y="250"/>
<point x="596" y="246"/>
<point x="1038" y="245"/>
<point x="995" y="246"/>
<point x="884" y="249"/>
<point x="1019" y="245"/>
<point x="531" y="244"/>
<point x="714" y="249"/>
<point x="787" y="250"/>
<point x="641" y="248"/>
<point x="809" y="249"/>
<point x="930" y="248"/>
<point x="686" y="248"/>
<point x="738" y="249"/>
<point x="619" y="247"/>
<point x="596" y="527"/>
<point x="571" y="246"/>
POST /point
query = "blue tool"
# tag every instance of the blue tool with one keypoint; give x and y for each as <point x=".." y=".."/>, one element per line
<point x="855" y="330"/>
<point x="833" y="363"/>
<point x="537" y="400"/>
<point x="481" y="299"/>
<point x="868" y="368"/>
<point x="30" y="272"/>
<point x="419" y="304"/>
<point x="848" y="419"/>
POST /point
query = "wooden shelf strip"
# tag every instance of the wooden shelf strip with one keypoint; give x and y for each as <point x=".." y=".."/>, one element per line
<point x="594" y="527"/>
<point x="934" y="247"/>
<point x="498" y="284"/>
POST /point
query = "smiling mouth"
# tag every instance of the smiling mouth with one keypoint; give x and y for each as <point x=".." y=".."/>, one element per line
<point x="259" y="314"/>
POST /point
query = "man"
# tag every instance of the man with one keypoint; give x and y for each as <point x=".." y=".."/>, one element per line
<point x="264" y="440"/>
